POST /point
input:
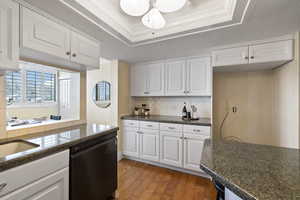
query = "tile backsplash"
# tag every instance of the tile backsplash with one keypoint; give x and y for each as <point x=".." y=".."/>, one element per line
<point x="173" y="105"/>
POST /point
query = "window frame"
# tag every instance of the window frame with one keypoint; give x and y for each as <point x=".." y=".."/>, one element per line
<point x="38" y="68"/>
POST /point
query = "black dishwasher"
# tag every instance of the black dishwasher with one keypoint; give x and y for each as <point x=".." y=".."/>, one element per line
<point x="93" y="171"/>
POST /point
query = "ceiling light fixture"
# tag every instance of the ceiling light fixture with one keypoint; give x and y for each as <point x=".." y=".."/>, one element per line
<point x="153" y="19"/>
<point x="167" y="6"/>
<point x="135" y="7"/>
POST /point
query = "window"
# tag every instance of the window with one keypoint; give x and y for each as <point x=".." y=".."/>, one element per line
<point x="13" y="87"/>
<point x="33" y="84"/>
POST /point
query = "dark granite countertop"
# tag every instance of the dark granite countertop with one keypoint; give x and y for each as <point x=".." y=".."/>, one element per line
<point x="54" y="141"/>
<point x="253" y="171"/>
<point x="169" y="119"/>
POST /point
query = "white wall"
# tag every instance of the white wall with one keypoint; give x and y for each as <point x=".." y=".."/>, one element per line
<point x="96" y="114"/>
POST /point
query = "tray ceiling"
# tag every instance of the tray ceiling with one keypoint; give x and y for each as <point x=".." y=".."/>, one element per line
<point x="197" y="16"/>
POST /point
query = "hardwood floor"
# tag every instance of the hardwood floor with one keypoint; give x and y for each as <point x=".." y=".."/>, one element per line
<point x="139" y="181"/>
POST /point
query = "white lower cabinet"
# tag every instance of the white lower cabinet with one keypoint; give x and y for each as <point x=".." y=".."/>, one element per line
<point x="131" y="142"/>
<point x="149" y="144"/>
<point x="170" y="144"/>
<point x="192" y="148"/>
<point x="171" y="148"/>
<point x="54" y="186"/>
<point x="43" y="179"/>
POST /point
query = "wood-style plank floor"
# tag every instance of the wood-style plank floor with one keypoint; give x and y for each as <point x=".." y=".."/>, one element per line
<point x="139" y="181"/>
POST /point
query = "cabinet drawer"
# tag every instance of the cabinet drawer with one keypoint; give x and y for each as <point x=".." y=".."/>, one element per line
<point x="149" y="125"/>
<point x="201" y="130"/>
<point x="171" y="127"/>
<point x="130" y="123"/>
<point x="23" y="175"/>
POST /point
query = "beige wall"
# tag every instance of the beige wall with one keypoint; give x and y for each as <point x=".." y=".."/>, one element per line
<point x="267" y="101"/>
<point x="252" y="94"/>
<point x="116" y="73"/>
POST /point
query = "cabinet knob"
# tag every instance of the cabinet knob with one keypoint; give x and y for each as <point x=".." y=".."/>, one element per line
<point x="252" y="57"/>
<point x="74" y="54"/>
<point x="68" y="53"/>
<point x="246" y="57"/>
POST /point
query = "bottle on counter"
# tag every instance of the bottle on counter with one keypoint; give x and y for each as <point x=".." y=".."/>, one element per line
<point x="184" y="111"/>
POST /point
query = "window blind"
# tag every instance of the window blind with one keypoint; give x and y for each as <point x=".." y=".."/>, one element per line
<point x="13" y="87"/>
<point x="40" y="87"/>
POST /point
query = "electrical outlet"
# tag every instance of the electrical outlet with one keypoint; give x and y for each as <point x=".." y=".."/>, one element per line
<point x="234" y="109"/>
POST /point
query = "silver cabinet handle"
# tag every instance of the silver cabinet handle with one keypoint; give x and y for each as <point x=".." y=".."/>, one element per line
<point x="171" y="128"/>
<point x="196" y="130"/>
<point x="2" y="186"/>
<point x="139" y="132"/>
<point x="149" y="125"/>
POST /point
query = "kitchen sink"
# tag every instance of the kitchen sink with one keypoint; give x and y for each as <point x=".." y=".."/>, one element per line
<point x="15" y="146"/>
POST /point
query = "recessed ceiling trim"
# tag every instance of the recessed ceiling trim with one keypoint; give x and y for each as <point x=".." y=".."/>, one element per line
<point x="136" y="36"/>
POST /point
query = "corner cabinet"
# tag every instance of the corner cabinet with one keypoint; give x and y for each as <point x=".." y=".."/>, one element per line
<point x="183" y="77"/>
<point x="257" y="56"/>
<point x="44" y="35"/>
<point x="9" y="35"/>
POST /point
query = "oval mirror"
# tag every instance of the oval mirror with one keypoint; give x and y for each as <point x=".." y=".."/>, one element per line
<point x="102" y="94"/>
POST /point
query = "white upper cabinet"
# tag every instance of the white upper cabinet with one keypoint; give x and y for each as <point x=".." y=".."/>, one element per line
<point x="155" y="79"/>
<point x="84" y="50"/>
<point x="233" y="56"/>
<point x="185" y="77"/>
<point x="255" y="56"/>
<point x="138" y="80"/>
<point x="147" y="80"/>
<point x="9" y="35"/>
<point x="199" y="77"/>
<point x="42" y="34"/>
<point x="271" y="52"/>
<point x="175" y="78"/>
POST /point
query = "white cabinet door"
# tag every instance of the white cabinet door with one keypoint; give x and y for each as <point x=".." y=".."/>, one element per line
<point x="232" y="56"/>
<point x="54" y="186"/>
<point x="9" y="35"/>
<point x="155" y="79"/>
<point x="171" y="148"/>
<point x="44" y="35"/>
<point x="131" y="142"/>
<point x="175" y="78"/>
<point x="138" y="81"/>
<point x="271" y="52"/>
<point x="199" y="75"/>
<point x="84" y="51"/>
<point x="149" y="144"/>
<point x="193" y="146"/>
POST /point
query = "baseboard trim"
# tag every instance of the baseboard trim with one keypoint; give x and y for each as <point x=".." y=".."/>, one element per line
<point x="202" y="174"/>
<point x="120" y="156"/>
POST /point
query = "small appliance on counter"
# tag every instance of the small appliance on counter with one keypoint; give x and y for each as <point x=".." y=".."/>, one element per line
<point x="141" y="111"/>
